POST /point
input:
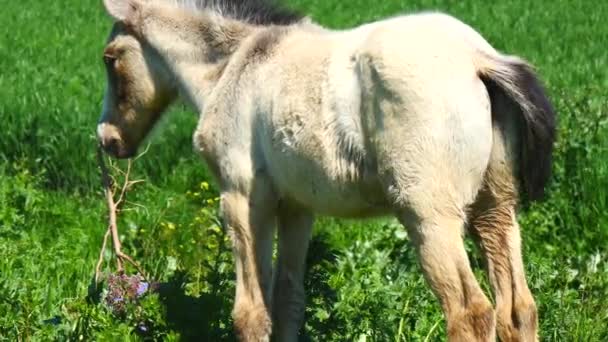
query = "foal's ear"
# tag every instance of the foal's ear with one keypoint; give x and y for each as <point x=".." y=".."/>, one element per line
<point x="122" y="10"/>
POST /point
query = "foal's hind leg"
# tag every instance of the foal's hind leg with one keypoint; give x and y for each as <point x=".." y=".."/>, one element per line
<point x="289" y="298"/>
<point x="468" y="311"/>
<point x="496" y="230"/>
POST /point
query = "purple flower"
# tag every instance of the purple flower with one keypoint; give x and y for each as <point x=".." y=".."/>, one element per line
<point x="124" y="290"/>
<point x="142" y="288"/>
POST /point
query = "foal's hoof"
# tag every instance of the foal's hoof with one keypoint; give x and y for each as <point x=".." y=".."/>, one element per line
<point x="476" y="323"/>
<point x="252" y="326"/>
<point x="521" y="325"/>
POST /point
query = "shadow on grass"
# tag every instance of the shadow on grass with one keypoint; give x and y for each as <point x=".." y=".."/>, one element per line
<point x="204" y="318"/>
<point x="320" y="296"/>
<point x="207" y="318"/>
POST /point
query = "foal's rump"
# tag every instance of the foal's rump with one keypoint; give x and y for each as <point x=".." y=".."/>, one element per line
<point x="427" y="113"/>
<point x="437" y="98"/>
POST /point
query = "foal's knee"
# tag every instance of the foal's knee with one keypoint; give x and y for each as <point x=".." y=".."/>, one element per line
<point x="475" y="322"/>
<point x="252" y="323"/>
<point x="520" y="323"/>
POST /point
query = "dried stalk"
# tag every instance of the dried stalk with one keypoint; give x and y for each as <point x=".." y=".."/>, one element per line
<point x="101" y="252"/>
<point x="113" y="208"/>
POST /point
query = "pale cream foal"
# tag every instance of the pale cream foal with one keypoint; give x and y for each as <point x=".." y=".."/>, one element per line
<point x="415" y="116"/>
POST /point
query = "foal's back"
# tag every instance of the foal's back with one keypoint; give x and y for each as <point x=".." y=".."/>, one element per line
<point x="341" y="110"/>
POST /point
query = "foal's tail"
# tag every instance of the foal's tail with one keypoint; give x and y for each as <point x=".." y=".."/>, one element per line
<point x="512" y="82"/>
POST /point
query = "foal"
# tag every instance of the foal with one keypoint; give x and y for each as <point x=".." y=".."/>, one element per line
<point x="415" y="116"/>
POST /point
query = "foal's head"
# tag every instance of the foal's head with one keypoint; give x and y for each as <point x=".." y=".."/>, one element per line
<point x="139" y="88"/>
<point x="149" y="38"/>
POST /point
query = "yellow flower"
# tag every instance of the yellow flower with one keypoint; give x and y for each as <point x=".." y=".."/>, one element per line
<point x="205" y="186"/>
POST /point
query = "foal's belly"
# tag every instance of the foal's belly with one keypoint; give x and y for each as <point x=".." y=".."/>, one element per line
<point x="311" y="185"/>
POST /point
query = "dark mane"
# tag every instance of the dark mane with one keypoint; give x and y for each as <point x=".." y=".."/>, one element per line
<point x="257" y="12"/>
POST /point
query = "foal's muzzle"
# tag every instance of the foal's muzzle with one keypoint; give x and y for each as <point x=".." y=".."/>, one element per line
<point x="112" y="143"/>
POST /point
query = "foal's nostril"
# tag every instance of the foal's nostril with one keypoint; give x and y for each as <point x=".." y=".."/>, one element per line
<point x="110" y="145"/>
<point x="109" y="139"/>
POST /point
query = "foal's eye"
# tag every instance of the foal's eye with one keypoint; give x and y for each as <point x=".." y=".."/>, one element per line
<point x="109" y="60"/>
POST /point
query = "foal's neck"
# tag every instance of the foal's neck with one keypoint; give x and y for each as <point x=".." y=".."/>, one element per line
<point x="194" y="47"/>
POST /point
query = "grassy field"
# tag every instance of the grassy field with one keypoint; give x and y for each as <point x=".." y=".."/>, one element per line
<point x="363" y="281"/>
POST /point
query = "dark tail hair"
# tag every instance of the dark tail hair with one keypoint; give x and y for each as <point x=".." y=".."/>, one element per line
<point x="516" y="81"/>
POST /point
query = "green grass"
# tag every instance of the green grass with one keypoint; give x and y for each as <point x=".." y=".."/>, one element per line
<point x="363" y="279"/>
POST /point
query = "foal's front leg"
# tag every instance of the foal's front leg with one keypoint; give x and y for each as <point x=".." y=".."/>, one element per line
<point x="250" y="220"/>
